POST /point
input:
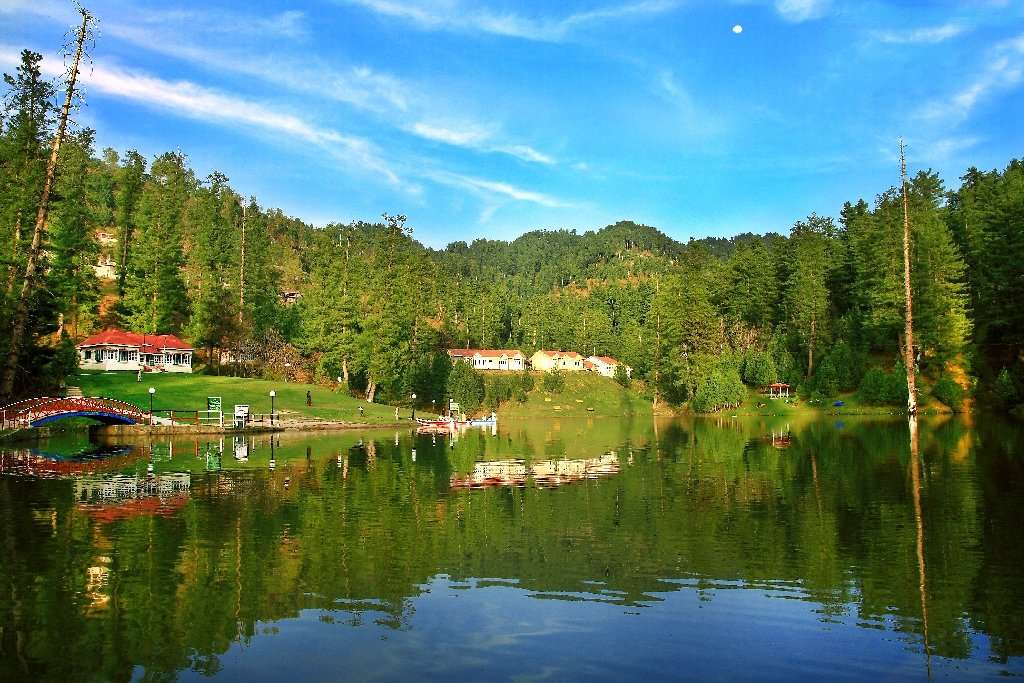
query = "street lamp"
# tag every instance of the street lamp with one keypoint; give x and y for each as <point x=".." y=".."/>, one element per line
<point x="272" y="395"/>
<point x="152" y="390"/>
<point x="414" y="406"/>
<point x="433" y="406"/>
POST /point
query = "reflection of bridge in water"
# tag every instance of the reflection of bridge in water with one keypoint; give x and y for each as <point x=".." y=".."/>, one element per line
<point x="545" y="473"/>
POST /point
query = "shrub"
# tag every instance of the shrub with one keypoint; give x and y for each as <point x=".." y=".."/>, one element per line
<point x="466" y="387"/>
<point x="554" y="381"/>
<point x="879" y="387"/>
<point x="758" y="368"/>
<point x="723" y="388"/>
<point x="1005" y="388"/>
<point x="621" y="376"/>
<point x="826" y="379"/>
<point x="949" y="392"/>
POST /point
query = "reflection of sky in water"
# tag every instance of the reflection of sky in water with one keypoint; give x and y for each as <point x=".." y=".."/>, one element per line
<point x="500" y="632"/>
<point x="686" y="549"/>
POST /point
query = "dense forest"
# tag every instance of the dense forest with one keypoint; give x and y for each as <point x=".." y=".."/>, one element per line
<point x="820" y="307"/>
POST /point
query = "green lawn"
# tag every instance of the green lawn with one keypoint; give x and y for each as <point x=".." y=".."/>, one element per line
<point x="584" y="394"/>
<point x="189" y="392"/>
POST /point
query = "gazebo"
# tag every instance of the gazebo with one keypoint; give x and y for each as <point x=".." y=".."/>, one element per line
<point x="777" y="390"/>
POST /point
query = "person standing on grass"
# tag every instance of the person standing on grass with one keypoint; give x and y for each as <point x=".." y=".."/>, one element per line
<point x="309" y="398"/>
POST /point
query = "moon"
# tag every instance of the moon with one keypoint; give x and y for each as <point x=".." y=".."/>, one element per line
<point x="737" y="29"/>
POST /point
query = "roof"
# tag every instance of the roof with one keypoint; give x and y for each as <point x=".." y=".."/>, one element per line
<point x="145" y="342"/>
<point x="556" y="354"/>
<point x="607" y="360"/>
<point x="487" y="353"/>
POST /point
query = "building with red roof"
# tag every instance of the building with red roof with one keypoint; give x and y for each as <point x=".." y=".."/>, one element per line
<point x="490" y="359"/>
<point x="605" y="365"/>
<point x="557" y="360"/>
<point x="131" y="351"/>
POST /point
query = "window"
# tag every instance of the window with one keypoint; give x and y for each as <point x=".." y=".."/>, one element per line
<point x="122" y="355"/>
<point x="133" y="355"/>
<point x="88" y="354"/>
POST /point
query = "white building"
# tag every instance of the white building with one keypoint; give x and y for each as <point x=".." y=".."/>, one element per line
<point x="119" y="350"/>
<point x="605" y="365"/>
<point x="490" y="359"/>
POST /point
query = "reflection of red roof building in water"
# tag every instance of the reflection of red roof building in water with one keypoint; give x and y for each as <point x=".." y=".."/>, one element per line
<point x="114" y="511"/>
<point x="117" y="497"/>
<point x="545" y="473"/>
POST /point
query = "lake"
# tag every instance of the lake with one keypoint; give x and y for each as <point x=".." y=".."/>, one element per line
<point x="709" y="549"/>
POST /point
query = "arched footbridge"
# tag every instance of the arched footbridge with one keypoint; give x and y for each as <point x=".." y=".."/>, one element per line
<point x="36" y="412"/>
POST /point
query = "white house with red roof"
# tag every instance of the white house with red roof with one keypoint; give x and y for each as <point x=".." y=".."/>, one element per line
<point x="557" y="360"/>
<point x="120" y="350"/>
<point x="490" y="359"/>
<point x="605" y="365"/>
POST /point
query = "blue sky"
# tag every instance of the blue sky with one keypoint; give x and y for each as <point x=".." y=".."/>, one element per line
<point x="491" y="118"/>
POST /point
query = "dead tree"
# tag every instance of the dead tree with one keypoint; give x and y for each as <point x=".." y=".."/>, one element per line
<point x="20" y="321"/>
<point x="908" y="346"/>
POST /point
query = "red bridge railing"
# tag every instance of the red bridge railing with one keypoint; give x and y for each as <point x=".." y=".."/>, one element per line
<point x="24" y="413"/>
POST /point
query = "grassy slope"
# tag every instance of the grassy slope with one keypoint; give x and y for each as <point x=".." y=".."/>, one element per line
<point x="583" y="390"/>
<point x="189" y="392"/>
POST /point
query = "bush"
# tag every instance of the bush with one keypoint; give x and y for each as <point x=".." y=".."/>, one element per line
<point x="554" y="381"/>
<point x="1006" y="389"/>
<point x="879" y="387"/>
<point x="466" y="387"/>
<point x="949" y="392"/>
<point x="722" y="389"/>
<point x="826" y="379"/>
<point x="621" y="376"/>
<point x="758" y="368"/>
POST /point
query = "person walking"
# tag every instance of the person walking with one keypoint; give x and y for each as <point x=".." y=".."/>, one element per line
<point x="309" y="398"/>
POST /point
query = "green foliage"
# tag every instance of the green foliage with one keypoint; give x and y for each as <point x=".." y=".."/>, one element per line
<point x="758" y="368"/>
<point x="553" y="381"/>
<point x="504" y="387"/>
<point x="1005" y="389"/>
<point x="879" y="387"/>
<point x="466" y="387"/>
<point x="723" y="388"/>
<point x="948" y="392"/>
<point x="622" y="376"/>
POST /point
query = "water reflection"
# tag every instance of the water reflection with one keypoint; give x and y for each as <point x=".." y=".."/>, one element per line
<point x="179" y="557"/>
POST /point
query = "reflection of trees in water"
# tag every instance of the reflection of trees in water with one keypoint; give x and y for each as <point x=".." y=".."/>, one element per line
<point x="359" y="528"/>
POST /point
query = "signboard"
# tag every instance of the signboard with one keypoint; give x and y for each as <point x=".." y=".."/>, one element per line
<point x="453" y="407"/>
<point x="214" y="404"/>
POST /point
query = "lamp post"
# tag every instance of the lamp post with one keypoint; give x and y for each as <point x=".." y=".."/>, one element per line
<point x="414" y="406"/>
<point x="152" y="390"/>
<point x="272" y="395"/>
<point x="433" y="406"/>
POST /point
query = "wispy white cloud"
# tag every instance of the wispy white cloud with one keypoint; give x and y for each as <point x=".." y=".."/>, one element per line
<point x="470" y="18"/>
<point x="923" y="35"/>
<point x="1002" y="70"/>
<point x="494" y="188"/>
<point x="163" y="32"/>
<point x="477" y="138"/>
<point x="802" y="10"/>
<point x="187" y="99"/>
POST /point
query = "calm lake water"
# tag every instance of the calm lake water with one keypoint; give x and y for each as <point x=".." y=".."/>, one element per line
<point x="603" y="549"/>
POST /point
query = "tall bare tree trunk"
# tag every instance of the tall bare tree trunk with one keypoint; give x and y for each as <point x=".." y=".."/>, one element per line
<point x="122" y="275"/>
<point x="908" y="348"/>
<point x="20" y="323"/>
<point x="13" y="268"/>
<point x="241" y="275"/>
<point x="371" y="390"/>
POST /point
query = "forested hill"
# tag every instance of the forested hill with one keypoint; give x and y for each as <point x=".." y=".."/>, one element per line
<point x="147" y="245"/>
